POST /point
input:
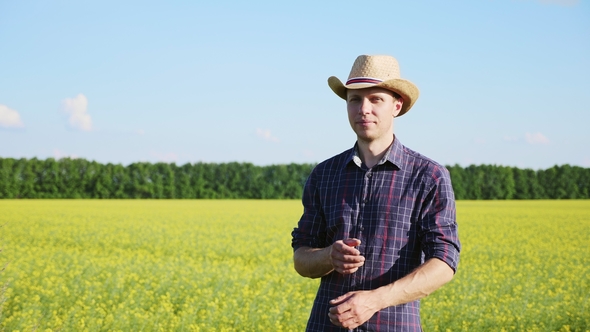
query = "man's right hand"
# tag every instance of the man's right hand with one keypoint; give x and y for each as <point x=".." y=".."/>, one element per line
<point x="346" y="259"/>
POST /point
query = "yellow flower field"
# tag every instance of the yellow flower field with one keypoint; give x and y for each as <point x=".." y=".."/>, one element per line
<point x="208" y="265"/>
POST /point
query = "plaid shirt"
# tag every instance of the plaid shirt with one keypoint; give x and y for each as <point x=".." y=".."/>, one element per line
<point x="402" y="210"/>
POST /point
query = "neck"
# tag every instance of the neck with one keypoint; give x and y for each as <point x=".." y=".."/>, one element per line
<point x="372" y="152"/>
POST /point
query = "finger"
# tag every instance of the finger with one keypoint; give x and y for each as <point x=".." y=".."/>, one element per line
<point x="340" y="312"/>
<point x="348" y="265"/>
<point x="352" y="242"/>
<point x="346" y="271"/>
<point x="334" y="303"/>
<point x="346" y="318"/>
<point x="347" y="262"/>
<point x="346" y="268"/>
<point x="350" y="323"/>
<point x="341" y="317"/>
<point x="339" y="304"/>
<point x="334" y="320"/>
<point x="351" y="259"/>
<point x="345" y="249"/>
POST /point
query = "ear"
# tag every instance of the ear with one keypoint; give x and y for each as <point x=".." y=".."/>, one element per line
<point x="397" y="106"/>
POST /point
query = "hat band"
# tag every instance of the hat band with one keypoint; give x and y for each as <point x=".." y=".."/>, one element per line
<point x="363" y="80"/>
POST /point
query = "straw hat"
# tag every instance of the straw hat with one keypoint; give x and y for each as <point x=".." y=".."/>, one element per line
<point x="377" y="71"/>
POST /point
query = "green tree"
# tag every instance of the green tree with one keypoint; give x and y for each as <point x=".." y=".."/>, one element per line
<point x="120" y="181"/>
<point x="474" y="182"/>
<point x="535" y="188"/>
<point x="583" y="182"/>
<point x="8" y="184"/>
<point x="507" y="184"/>
<point x="157" y="179"/>
<point x="458" y="181"/>
<point x="103" y="183"/>
<point x="522" y="189"/>
<point x="79" y="178"/>
<point x="26" y="177"/>
<point x="201" y="176"/>
<point x="70" y="182"/>
<point x="554" y="189"/>
<point x="182" y="181"/>
<point x="48" y="179"/>
<point x="140" y="185"/>
<point x="567" y="182"/>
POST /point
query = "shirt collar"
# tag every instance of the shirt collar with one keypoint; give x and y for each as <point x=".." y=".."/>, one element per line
<point x="394" y="155"/>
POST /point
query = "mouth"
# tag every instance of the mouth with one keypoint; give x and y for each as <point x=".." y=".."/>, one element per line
<point x="365" y="123"/>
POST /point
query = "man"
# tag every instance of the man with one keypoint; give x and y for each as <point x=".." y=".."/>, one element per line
<point x="379" y="222"/>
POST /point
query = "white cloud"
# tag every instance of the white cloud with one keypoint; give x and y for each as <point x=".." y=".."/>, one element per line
<point x="76" y="109"/>
<point x="10" y="118"/>
<point x="266" y="135"/>
<point x="536" y="138"/>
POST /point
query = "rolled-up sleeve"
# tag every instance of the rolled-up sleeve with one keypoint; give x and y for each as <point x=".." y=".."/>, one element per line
<point x="438" y="224"/>
<point x="311" y="228"/>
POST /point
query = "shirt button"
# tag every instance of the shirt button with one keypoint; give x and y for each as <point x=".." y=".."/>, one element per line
<point x="369" y="175"/>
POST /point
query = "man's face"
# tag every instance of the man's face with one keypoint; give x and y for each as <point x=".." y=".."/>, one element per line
<point x="371" y="112"/>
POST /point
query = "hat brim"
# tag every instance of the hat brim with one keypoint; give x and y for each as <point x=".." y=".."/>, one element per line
<point x="406" y="89"/>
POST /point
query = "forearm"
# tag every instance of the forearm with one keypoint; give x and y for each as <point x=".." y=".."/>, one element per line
<point x="420" y="283"/>
<point x="312" y="262"/>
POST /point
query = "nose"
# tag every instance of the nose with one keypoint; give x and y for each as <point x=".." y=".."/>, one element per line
<point x="365" y="106"/>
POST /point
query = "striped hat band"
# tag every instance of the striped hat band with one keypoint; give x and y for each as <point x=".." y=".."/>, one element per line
<point x="363" y="80"/>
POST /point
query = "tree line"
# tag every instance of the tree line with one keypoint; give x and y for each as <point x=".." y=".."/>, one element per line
<point x="502" y="182"/>
<point x="79" y="178"/>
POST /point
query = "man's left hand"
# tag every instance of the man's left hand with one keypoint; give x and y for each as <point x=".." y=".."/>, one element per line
<point x="353" y="309"/>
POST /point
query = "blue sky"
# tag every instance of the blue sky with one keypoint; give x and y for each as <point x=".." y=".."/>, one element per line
<point x="503" y="82"/>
